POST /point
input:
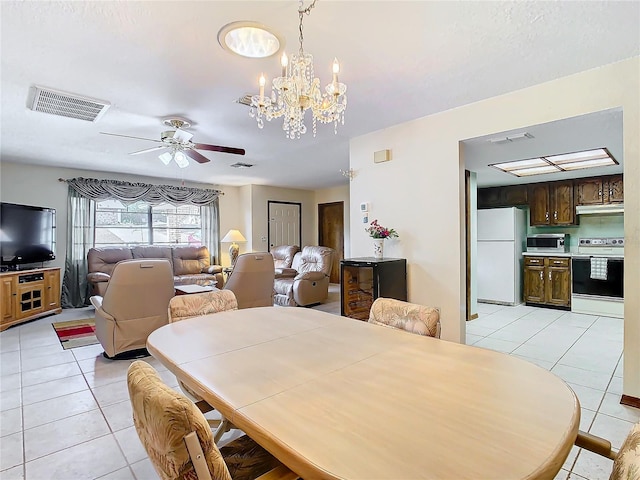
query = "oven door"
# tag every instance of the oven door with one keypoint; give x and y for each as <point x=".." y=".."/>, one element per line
<point x="610" y="285"/>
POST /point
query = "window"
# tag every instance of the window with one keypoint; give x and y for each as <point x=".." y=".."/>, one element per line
<point x="138" y="223"/>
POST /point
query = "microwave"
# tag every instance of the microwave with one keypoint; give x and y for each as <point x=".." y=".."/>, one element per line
<point x="548" y="242"/>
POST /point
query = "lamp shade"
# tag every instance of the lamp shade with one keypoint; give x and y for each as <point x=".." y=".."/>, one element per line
<point x="233" y="236"/>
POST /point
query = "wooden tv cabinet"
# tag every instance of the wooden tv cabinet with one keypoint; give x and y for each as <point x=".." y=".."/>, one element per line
<point x="29" y="294"/>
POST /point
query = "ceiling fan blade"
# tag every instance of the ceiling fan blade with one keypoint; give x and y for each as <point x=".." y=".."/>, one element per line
<point x="216" y="148"/>
<point x="129" y="136"/>
<point x="196" y="156"/>
<point x="160" y="147"/>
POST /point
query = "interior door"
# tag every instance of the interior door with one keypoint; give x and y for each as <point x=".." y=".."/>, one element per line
<point x="285" y="223"/>
<point x="331" y="233"/>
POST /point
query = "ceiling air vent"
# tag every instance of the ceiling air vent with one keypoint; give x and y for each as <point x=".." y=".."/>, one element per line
<point x="66" y="104"/>
<point x="245" y="100"/>
<point x="242" y="165"/>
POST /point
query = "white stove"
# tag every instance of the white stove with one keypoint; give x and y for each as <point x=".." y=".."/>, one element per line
<point x="597" y="272"/>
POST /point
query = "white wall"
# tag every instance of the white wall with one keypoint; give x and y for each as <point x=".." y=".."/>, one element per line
<point x="420" y="192"/>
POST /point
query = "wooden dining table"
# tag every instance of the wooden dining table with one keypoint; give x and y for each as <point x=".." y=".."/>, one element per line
<point x="337" y="398"/>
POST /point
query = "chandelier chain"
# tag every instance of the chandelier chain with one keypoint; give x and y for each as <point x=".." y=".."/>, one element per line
<point x="301" y="13"/>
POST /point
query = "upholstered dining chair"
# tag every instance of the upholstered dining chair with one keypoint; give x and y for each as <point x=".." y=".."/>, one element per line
<point x="252" y="280"/>
<point x="407" y="316"/>
<point x="626" y="461"/>
<point x="178" y="439"/>
<point x="182" y="307"/>
<point x="134" y="304"/>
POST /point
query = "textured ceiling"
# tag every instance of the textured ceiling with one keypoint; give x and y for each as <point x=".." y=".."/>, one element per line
<point x="400" y="61"/>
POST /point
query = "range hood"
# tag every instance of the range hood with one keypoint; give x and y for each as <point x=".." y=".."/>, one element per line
<point x="599" y="209"/>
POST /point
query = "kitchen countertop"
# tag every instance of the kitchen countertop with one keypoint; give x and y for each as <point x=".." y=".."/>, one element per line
<point x="572" y="254"/>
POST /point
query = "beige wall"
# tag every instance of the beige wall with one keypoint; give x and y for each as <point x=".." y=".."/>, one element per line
<point x="420" y="192"/>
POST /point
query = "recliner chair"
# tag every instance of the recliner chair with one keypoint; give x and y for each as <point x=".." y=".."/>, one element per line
<point x="135" y="303"/>
<point x="283" y="256"/>
<point x="308" y="282"/>
<point x="252" y="280"/>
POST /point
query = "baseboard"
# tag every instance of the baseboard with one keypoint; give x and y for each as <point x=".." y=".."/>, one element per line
<point x="630" y="401"/>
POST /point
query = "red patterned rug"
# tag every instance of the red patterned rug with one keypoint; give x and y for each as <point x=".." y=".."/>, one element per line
<point x="76" y="333"/>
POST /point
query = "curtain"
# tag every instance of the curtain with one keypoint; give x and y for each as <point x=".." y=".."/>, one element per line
<point x="209" y="215"/>
<point x="80" y="223"/>
<point x="134" y="192"/>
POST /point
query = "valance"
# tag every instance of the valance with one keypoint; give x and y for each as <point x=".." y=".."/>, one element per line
<point x="128" y="192"/>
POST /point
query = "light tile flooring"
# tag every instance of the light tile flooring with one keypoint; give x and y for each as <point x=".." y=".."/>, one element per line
<point x="65" y="414"/>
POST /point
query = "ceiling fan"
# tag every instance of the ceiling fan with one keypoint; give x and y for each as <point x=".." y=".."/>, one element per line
<point x="179" y="143"/>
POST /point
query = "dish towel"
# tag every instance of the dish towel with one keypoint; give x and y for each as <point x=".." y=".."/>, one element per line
<point x="598" y="268"/>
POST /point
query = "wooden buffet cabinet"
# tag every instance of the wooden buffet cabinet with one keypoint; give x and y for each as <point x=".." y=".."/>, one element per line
<point x="362" y="280"/>
<point x="29" y="294"/>
<point x="547" y="281"/>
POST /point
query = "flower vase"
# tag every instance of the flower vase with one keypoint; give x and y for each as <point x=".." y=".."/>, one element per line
<point x="378" y="247"/>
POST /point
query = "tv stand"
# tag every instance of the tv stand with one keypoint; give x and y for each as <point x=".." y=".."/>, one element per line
<point x="28" y="294"/>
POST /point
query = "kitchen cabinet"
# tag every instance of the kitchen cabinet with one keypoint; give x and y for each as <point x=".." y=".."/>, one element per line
<point x="599" y="190"/>
<point x="552" y="203"/>
<point x="28" y="294"/>
<point x="362" y="280"/>
<point x="547" y="281"/>
<point x="508" y="196"/>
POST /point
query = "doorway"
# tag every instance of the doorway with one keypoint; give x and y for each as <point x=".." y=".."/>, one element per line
<point x="331" y="233"/>
<point x="285" y="223"/>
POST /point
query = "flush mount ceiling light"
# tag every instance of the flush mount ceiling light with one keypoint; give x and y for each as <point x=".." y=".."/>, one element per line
<point x="298" y="90"/>
<point x="249" y="39"/>
<point x="565" y="162"/>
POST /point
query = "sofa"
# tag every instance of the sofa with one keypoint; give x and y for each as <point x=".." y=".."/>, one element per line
<point x="307" y="281"/>
<point x="189" y="264"/>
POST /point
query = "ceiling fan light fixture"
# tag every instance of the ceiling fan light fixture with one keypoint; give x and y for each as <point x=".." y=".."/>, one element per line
<point x="165" y="158"/>
<point x="249" y="39"/>
<point x="181" y="159"/>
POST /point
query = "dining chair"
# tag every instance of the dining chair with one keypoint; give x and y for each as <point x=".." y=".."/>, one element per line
<point x="178" y="440"/>
<point x="626" y="461"/>
<point x="413" y="318"/>
<point x="182" y="307"/>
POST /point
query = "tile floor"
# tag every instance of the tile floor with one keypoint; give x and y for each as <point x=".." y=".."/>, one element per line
<point x="65" y="414"/>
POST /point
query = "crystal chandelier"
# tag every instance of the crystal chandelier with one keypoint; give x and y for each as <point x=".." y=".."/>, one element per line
<point x="297" y="91"/>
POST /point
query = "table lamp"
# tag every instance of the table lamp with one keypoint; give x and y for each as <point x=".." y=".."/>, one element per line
<point x="233" y="236"/>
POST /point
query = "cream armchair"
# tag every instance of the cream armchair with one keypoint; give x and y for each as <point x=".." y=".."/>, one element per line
<point x="135" y="303"/>
<point x="283" y="256"/>
<point x="308" y="282"/>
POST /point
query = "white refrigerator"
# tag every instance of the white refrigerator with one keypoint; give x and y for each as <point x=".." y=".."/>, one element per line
<point x="501" y="236"/>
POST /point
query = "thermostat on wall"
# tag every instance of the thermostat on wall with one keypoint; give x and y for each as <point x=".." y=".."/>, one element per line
<point x="364" y="207"/>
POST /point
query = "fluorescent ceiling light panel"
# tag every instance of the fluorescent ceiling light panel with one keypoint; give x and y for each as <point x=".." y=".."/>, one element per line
<point x="599" y="157"/>
<point x="249" y="39"/>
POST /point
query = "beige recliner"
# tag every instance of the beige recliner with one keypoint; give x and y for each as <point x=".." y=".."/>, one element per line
<point x="252" y="280"/>
<point x="308" y="282"/>
<point x="135" y="303"/>
<point x="283" y="256"/>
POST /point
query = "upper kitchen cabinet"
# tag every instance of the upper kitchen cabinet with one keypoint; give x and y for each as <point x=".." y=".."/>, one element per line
<point x="552" y="203"/>
<point x="599" y="190"/>
<point x="508" y="196"/>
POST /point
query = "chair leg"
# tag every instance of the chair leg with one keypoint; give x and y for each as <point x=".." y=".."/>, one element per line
<point x="224" y="427"/>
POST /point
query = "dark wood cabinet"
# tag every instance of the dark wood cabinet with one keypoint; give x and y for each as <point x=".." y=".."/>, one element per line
<point x="362" y="280"/>
<point x="552" y="203"/>
<point x="508" y="196"/>
<point x="599" y="190"/>
<point x="547" y="281"/>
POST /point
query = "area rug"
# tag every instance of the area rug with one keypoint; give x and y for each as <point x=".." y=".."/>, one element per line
<point x="76" y="333"/>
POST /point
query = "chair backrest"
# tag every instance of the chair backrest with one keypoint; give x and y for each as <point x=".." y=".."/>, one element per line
<point x="105" y="259"/>
<point x="283" y="255"/>
<point x="182" y="307"/>
<point x="252" y="280"/>
<point x="190" y="260"/>
<point x="626" y="466"/>
<point x="315" y="259"/>
<point x="139" y="289"/>
<point x="407" y="316"/>
<point x="163" y="418"/>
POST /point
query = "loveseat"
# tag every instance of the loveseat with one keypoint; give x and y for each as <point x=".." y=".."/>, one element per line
<point x="190" y="264"/>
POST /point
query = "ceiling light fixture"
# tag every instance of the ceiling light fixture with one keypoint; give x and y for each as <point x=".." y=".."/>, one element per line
<point x="249" y="39"/>
<point x="176" y="155"/>
<point x="297" y="91"/>
<point x="565" y="162"/>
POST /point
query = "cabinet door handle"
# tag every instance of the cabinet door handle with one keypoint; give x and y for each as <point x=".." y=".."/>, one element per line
<point x="546" y="216"/>
<point x="549" y="276"/>
<point x="599" y="193"/>
<point x="541" y="277"/>
<point x="555" y="215"/>
<point x="611" y="191"/>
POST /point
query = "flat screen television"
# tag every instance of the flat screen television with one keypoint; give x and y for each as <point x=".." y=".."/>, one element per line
<point x="27" y="234"/>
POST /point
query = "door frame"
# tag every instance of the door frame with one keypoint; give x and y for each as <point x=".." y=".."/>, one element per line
<point x="335" y="272"/>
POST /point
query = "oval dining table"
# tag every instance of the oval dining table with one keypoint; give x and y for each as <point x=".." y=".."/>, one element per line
<point x="337" y="398"/>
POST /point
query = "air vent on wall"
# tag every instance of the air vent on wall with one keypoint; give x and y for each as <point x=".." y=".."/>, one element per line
<point x="242" y="165"/>
<point x="67" y="104"/>
<point x="245" y="100"/>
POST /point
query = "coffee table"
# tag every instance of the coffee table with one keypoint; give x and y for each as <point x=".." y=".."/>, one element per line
<point x="189" y="289"/>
